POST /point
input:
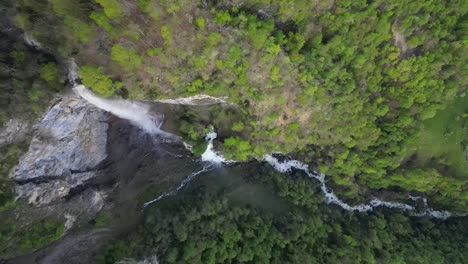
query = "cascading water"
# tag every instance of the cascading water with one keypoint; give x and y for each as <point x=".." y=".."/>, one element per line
<point x="331" y="198"/>
<point x="210" y="155"/>
<point x="139" y="114"/>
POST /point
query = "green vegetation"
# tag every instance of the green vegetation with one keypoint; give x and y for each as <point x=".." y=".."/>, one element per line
<point x="127" y="59"/>
<point x="16" y="240"/>
<point x="444" y="140"/>
<point x="213" y="222"/>
<point x="49" y="73"/>
<point x="100" y="83"/>
<point x="347" y="84"/>
<point x="28" y="80"/>
<point x="102" y="220"/>
<point x="112" y="9"/>
<point x="371" y="93"/>
<point x="9" y="156"/>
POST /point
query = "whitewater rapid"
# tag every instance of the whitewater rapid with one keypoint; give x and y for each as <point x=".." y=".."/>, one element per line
<point x="331" y="198"/>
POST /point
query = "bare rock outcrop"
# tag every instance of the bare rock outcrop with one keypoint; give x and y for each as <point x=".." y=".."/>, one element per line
<point x="66" y="147"/>
<point x="13" y="131"/>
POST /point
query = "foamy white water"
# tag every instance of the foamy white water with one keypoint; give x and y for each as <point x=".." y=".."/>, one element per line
<point x="210" y="155"/>
<point x="331" y="198"/>
<point x="201" y="99"/>
<point x="137" y="113"/>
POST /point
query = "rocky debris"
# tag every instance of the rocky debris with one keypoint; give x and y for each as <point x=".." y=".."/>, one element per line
<point x="66" y="148"/>
<point x="14" y="131"/>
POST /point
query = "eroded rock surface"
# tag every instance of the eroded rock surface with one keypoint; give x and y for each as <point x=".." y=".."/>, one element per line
<point x="66" y="148"/>
<point x="13" y="131"/>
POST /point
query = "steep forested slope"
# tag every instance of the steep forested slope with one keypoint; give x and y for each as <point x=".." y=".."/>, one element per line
<point x="345" y="84"/>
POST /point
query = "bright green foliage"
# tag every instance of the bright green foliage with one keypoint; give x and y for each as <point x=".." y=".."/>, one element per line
<point x="81" y="30"/>
<point x="222" y="18"/>
<point x="259" y="32"/>
<point x="238" y="126"/>
<point x="200" y="23"/>
<point x="49" y="72"/>
<point x="153" y="52"/>
<point x="112" y="8"/>
<point x="129" y="60"/>
<point x="103" y="21"/>
<point x="195" y="85"/>
<point x="96" y="80"/>
<point x="166" y="35"/>
<point x="236" y="147"/>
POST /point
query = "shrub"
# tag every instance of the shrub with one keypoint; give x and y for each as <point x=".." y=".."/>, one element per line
<point x="112" y="9"/>
<point x="237" y="148"/>
<point x="238" y="126"/>
<point x="166" y="35"/>
<point x="129" y="60"/>
<point x="222" y="18"/>
<point x="200" y="23"/>
<point x="153" y="52"/>
<point x="100" y="83"/>
<point x="49" y="72"/>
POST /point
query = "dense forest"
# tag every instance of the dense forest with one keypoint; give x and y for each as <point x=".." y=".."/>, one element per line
<point x="351" y="86"/>
<point x="215" y="221"/>
<point x="370" y="93"/>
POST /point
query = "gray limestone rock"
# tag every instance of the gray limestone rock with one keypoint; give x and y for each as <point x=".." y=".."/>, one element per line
<point x="66" y="147"/>
<point x="13" y="131"/>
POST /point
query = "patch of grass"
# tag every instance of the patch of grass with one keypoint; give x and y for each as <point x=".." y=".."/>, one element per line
<point x="445" y="138"/>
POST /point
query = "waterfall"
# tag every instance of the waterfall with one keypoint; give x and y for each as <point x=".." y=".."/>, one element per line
<point x="139" y="114"/>
<point x="331" y="198"/>
<point x="210" y="155"/>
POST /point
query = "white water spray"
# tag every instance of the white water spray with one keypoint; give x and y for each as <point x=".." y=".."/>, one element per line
<point x="201" y="99"/>
<point x="137" y="113"/>
<point x="210" y="155"/>
<point x="331" y="198"/>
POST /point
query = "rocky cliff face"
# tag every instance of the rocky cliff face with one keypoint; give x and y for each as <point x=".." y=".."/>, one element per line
<point x="66" y="148"/>
<point x="14" y="131"/>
